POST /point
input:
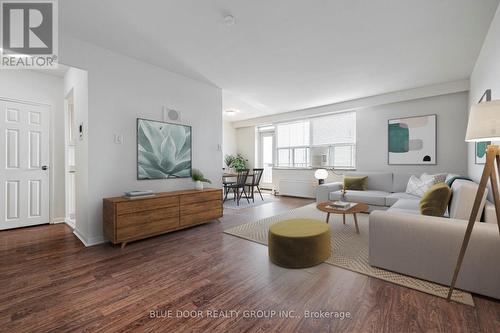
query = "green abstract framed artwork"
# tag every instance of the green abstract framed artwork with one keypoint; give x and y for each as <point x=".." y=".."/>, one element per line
<point x="163" y="150"/>
<point x="412" y="140"/>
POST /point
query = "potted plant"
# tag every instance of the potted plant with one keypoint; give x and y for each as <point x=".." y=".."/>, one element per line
<point x="199" y="179"/>
<point x="239" y="162"/>
<point x="228" y="161"/>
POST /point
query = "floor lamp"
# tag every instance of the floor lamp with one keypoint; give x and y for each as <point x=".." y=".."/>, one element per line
<point x="484" y="125"/>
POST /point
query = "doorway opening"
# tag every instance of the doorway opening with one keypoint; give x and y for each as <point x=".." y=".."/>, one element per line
<point x="266" y="156"/>
<point x="70" y="160"/>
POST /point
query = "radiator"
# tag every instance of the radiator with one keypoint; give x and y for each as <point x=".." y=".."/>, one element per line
<point x="297" y="188"/>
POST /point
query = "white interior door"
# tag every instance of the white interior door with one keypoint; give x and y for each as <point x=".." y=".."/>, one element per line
<point x="24" y="175"/>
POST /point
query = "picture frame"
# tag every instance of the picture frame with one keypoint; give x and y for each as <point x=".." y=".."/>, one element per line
<point x="412" y="140"/>
<point x="164" y="150"/>
<point x="480" y="151"/>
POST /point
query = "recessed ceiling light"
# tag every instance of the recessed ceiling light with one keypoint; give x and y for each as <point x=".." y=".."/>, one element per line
<point x="229" y="20"/>
<point x="231" y="112"/>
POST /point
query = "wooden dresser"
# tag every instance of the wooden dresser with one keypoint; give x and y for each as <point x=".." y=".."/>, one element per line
<point x="126" y="220"/>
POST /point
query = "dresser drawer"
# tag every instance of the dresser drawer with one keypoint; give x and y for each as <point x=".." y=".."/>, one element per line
<point x="200" y="207"/>
<point x="201" y="217"/>
<point x="134" y="226"/>
<point x="139" y="205"/>
<point x="200" y="212"/>
<point x="148" y="216"/>
<point x="200" y="197"/>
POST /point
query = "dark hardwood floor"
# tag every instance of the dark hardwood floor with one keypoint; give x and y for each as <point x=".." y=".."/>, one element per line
<point x="49" y="282"/>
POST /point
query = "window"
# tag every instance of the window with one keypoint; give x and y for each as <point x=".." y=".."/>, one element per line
<point x="334" y="137"/>
<point x="284" y="157"/>
<point x="301" y="157"/>
<point x="327" y="141"/>
<point x="343" y="157"/>
<point x="293" y="143"/>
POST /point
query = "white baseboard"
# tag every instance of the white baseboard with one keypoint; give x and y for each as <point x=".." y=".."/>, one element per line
<point x="89" y="242"/>
<point x="57" y="220"/>
<point x="70" y="223"/>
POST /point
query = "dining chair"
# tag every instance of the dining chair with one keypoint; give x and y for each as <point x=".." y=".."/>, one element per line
<point x="225" y="182"/>
<point x="240" y="184"/>
<point x="257" y="176"/>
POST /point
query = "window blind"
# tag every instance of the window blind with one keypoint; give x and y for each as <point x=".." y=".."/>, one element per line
<point x="292" y="134"/>
<point x="334" y="129"/>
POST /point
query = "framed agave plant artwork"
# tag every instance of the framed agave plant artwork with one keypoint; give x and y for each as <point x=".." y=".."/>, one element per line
<point x="163" y="150"/>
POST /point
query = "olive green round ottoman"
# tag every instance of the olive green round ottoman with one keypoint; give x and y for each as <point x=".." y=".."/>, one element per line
<point x="299" y="243"/>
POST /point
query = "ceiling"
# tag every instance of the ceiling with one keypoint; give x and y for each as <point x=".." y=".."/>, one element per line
<point x="286" y="55"/>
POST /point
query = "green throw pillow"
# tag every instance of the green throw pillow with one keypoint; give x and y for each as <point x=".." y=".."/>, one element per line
<point x="435" y="200"/>
<point x="355" y="183"/>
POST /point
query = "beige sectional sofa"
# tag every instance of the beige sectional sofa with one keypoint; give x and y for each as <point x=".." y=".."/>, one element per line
<point x="384" y="189"/>
<point x="404" y="241"/>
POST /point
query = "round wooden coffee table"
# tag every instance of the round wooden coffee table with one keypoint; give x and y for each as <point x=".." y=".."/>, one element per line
<point x="357" y="208"/>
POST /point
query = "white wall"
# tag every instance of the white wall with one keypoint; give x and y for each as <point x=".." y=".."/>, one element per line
<point x="486" y="75"/>
<point x="451" y="113"/>
<point x="228" y="139"/>
<point x="372" y="136"/>
<point x="45" y="89"/>
<point x="122" y="89"/>
<point x="246" y="142"/>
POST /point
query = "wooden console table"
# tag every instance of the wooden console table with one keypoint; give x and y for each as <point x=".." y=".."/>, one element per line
<point x="126" y="220"/>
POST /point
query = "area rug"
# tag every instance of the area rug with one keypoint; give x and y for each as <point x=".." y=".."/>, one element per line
<point x="230" y="203"/>
<point x="349" y="250"/>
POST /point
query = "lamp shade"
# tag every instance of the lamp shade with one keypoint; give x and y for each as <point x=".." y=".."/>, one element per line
<point x="484" y="122"/>
<point x="321" y="174"/>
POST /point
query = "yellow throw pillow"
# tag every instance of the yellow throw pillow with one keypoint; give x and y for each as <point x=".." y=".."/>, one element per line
<point x="355" y="183"/>
<point x="435" y="201"/>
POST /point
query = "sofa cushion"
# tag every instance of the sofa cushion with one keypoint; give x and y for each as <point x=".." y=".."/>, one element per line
<point x="377" y="181"/>
<point x="409" y="206"/>
<point x="376" y="198"/>
<point x="393" y="197"/>
<point x="437" y="177"/>
<point x="462" y="199"/>
<point x="355" y="183"/>
<point x="435" y="200"/>
<point x="400" y="180"/>
<point x="417" y="186"/>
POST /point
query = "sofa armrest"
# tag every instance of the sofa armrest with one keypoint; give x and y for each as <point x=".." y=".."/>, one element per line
<point x="323" y="191"/>
<point x="427" y="247"/>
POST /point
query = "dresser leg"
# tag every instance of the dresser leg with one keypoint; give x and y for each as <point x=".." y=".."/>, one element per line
<point x="123" y="245"/>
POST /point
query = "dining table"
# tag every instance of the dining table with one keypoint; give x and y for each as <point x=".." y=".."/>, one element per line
<point x="234" y="175"/>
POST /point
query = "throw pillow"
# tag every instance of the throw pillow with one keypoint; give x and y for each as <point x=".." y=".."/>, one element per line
<point x="417" y="186"/>
<point x="356" y="183"/>
<point x="435" y="200"/>
<point x="438" y="177"/>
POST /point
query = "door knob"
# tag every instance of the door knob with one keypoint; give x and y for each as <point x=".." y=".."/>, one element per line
<point x="45" y="167"/>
